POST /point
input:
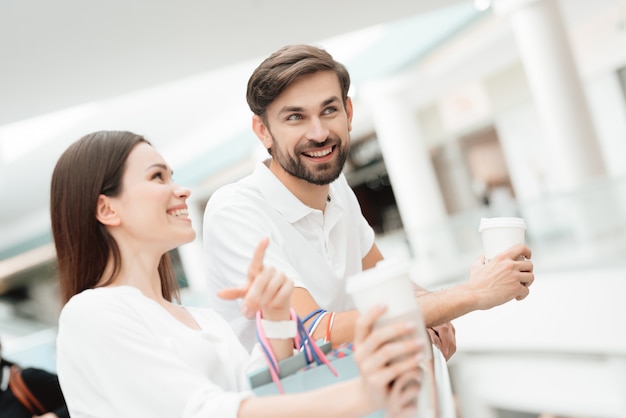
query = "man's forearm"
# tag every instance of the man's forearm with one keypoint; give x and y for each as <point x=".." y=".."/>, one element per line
<point x="342" y="330"/>
<point x="445" y="305"/>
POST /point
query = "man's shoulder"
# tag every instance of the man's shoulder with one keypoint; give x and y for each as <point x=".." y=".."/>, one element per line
<point x="247" y="192"/>
<point x="232" y="190"/>
<point x="242" y="194"/>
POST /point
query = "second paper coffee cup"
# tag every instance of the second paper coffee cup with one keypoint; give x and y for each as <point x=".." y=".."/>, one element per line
<point x="501" y="233"/>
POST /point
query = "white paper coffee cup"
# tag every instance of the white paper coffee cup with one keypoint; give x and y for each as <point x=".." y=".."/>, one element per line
<point x="500" y="234"/>
<point x="387" y="283"/>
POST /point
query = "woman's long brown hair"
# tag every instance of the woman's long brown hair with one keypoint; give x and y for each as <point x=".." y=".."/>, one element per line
<point x="92" y="166"/>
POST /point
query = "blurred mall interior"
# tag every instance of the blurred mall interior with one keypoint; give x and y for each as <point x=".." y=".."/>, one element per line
<point x="463" y="110"/>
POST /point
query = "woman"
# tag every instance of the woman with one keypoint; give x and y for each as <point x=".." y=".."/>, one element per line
<point x="125" y="349"/>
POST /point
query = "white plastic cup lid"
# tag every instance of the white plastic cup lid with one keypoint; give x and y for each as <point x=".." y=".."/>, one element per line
<point x="383" y="271"/>
<point x="501" y="222"/>
<point x="389" y="283"/>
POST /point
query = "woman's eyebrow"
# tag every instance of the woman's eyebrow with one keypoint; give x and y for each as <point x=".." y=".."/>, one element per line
<point x="161" y="166"/>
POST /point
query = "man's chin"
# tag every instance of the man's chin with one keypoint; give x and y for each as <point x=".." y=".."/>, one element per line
<point x="323" y="180"/>
<point x="318" y="174"/>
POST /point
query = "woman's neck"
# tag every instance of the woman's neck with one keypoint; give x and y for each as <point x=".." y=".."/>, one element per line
<point x="137" y="273"/>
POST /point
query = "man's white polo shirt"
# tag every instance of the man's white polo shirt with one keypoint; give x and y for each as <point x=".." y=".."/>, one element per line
<point x="316" y="249"/>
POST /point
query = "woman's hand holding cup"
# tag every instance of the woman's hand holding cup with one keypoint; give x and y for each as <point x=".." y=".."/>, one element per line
<point x="389" y="360"/>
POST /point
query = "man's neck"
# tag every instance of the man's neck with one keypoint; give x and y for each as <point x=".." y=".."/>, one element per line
<point x="312" y="195"/>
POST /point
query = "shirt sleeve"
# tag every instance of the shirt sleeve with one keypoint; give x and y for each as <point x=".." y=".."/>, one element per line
<point x="232" y="229"/>
<point x="110" y="364"/>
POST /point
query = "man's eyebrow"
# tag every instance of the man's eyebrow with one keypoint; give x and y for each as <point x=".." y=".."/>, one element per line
<point x="289" y="109"/>
<point x="330" y="100"/>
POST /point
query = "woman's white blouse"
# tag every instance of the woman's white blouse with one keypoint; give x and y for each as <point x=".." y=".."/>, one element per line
<point x="120" y="354"/>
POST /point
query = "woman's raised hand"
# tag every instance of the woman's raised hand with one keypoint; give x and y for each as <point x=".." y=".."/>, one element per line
<point x="265" y="289"/>
<point x="389" y="360"/>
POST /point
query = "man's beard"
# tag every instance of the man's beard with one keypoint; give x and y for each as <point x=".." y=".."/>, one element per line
<point x="324" y="173"/>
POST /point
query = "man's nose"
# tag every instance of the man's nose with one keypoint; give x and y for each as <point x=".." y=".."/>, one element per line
<point x="317" y="130"/>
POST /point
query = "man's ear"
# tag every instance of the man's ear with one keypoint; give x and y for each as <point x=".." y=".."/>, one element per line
<point x="349" y="110"/>
<point x="105" y="213"/>
<point x="261" y="131"/>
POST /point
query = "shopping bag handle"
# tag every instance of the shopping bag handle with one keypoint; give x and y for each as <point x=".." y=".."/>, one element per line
<point x="302" y="341"/>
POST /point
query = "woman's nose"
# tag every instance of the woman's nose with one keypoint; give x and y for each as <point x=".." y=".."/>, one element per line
<point x="182" y="192"/>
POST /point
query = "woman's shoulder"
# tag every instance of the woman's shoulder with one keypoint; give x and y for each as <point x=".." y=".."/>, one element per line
<point x="92" y="303"/>
<point x="99" y="314"/>
<point x="103" y="295"/>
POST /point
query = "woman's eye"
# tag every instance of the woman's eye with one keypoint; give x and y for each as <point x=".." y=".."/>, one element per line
<point x="158" y="176"/>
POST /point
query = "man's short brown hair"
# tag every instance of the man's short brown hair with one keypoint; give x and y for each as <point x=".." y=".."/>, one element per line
<point x="284" y="67"/>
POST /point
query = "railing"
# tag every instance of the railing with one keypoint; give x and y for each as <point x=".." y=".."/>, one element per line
<point x="563" y="349"/>
<point x="586" y="227"/>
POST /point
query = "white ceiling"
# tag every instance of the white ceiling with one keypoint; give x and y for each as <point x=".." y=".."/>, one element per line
<point x="171" y="70"/>
<point x="175" y="71"/>
<point x="57" y="54"/>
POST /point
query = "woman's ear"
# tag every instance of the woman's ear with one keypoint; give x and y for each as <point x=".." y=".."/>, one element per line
<point x="105" y="213"/>
<point x="262" y="132"/>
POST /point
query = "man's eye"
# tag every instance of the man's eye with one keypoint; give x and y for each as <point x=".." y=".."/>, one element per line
<point x="295" y="116"/>
<point x="330" y="110"/>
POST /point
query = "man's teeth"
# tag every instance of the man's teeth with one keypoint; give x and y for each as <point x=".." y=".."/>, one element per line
<point x="180" y="212"/>
<point x="320" y="153"/>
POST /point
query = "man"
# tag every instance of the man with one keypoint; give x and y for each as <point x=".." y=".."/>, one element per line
<point x="302" y="202"/>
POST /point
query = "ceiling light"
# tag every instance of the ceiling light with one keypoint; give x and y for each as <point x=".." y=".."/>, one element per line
<point x="482" y="5"/>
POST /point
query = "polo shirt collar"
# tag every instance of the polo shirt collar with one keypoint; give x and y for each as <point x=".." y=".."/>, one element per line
<point x="279" y="196"/>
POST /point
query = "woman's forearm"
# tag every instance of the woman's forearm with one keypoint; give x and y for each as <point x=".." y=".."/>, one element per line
<point x="341" y="400"/>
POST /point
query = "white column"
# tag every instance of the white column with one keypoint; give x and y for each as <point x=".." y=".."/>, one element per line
<point x="557" y="91"/>
<point x="410" y="170"/>
<point x="571" y="143"/>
